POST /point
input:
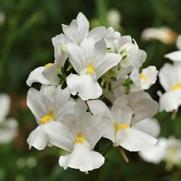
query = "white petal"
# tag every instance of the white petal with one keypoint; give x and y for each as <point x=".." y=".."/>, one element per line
<point x="97" y="33"/>
<point x="58" y="135"/>
<point x="77" y="57"/>
<point x="150" y="72"/>
<point x="85" y="85"/>
<point x="121" y="113"/>
<point x="38" y="139"/>
<point x="142" y="105"/>
<point x="4" y="106"/>
<point x="136" y="140"/>
<point x="107" y="62"/>
<point x="36" y="103"/>
<point x="83" y="26"/>
<point x="37" y="76"/>
<point x="82" y="158"/>
<point x="98" y="107"/>
<point x="174" y="56"/>
<point x="170" y="101"/>
<point x="51" y="74"/>
<point x="156" y="153"/>
<point x="149" y="126"/>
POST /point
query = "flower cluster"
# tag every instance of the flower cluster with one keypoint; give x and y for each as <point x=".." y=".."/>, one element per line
<point x="91" y="69"/>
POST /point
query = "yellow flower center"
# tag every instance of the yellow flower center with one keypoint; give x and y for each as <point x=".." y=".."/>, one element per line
<point x="48" y="65"/>
<point x="142" y="76"/>
<point x="47" y="118"/>
<point x="177" y="86"/>
<point x="90" y="69"/>
<point x="79" y="139"/>
<point x="120" y="126"/>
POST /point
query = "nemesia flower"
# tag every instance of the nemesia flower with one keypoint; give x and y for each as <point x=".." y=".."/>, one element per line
<point x="49" y="106"/>
<point x="166" y="149"/>
<point x="8" y="126"/>
<point x="145" y="79"/>
<point x="120" y="128"/>
<point x="85" y="133"/>
<point x="140" y="103"/>
<point x="90" y="60"/>
<point x="170" y="79"/>
<point x="163" y="34"/>
<point x="176" y="55"/>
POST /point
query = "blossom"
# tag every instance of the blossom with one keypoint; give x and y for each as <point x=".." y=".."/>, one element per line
<point x="49" y="106"/>
<point x="145" y="79"/>
<point x="8" y="126"/>
<point x="140" y="103"/>
<point x="163" y="34"/>
<point x="166" y="149"/>
<point x="120" y="128"/>
<point x="176" y="55"/>
<point x="85" y="133"/>
<point x="90" y="60"/>
<point x="170" y="79"/>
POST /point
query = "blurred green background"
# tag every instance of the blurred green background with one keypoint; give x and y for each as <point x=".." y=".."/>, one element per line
<point x="25" y="43"/>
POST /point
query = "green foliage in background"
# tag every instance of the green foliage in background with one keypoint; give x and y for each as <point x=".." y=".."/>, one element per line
<point x="25" y="43"/>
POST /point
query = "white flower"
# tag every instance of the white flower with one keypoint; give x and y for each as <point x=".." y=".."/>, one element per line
<point x="120" y="128"/>
<point x="47" y="75"/>
<point x="163" y="34"/>
<point x="85" y="133"/>
<point x="176" y="55"/>
<point x="8" y="126"/>
<point x="166" y="149"/>
<point x="145" y="79"/>
<point x="156" y="153"/>
<point x="90" y="61"/>
<point x="49" y="106"/>
<point x="78" y="30"/>
<point x="170" y="79"/>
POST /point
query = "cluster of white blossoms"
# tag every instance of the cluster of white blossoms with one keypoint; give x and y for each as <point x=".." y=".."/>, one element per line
<point x="91" y="66"/>
<point x="8" y="126"/>
<point x="170" y="79"/>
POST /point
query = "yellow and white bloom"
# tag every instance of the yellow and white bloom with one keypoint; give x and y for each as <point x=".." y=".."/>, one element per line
<point x="176" y="55"/>
<point x="170" y="79"/>
<point x="8" y="126"/>
<point x="90" y="60"/>
<point x="145" y="79"/>
<point x="49" y="106"/>
<point x="85" y="133"/>
<point x="120" y="128"/>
